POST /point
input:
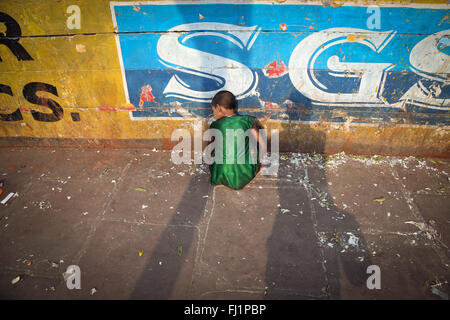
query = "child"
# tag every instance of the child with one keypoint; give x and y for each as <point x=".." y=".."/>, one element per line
<point x="239" y="173"/>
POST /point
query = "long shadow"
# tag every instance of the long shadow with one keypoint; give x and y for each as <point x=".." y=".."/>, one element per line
<point x="299" y="265"/>
<point x="157" y="282"/>
<point x="157" y="285"/>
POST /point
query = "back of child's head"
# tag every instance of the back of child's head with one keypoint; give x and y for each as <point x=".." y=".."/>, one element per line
<point x="226" y="99"/>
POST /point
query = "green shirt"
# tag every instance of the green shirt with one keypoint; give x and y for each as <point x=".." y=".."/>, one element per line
<point x="237" y="174"/>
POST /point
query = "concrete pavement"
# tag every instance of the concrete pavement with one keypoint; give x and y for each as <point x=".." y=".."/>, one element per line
<point x="140" y="227"/>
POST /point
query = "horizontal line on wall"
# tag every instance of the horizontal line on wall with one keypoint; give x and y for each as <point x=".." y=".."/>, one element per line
<point x="188" y="31"/>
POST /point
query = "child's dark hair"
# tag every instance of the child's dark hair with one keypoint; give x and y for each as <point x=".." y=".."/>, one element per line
<point x="226" y="99"/>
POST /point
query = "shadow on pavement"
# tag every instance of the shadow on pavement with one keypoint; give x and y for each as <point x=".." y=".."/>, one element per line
<point x="309" y="254"/>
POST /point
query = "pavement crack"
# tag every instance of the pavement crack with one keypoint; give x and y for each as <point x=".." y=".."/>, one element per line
<point x="436" y="245"/>
<point x="209" y="207"/>
<point x="99" y="218"/>
<point x="315" y="226"/>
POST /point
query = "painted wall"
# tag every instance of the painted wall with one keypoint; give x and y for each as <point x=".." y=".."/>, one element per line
<point x="331" y="75"/>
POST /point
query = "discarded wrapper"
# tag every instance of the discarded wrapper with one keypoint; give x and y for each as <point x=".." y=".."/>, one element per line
<point x="353" y="240"/>
<point x="16" y="279"/>
<point x="9" y="196"/>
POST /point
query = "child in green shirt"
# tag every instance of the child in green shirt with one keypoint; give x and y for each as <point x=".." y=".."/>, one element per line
<point x="239" y="166"/>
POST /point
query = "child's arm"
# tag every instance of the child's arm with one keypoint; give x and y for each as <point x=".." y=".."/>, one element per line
<point x="255" y="133"/>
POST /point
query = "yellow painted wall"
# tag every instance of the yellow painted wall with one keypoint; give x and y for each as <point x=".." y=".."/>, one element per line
<point x="83" y="66"/>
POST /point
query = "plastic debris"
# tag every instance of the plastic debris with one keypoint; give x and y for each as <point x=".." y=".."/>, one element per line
<point x="352" y="240"/>
<point x="439" y="288"/>
<point x="322" y="237"/>
<point x="16" y="279"/>
<point x="9" y="196"/>
<point x="180" y="251"/>
<point x="141" y="253"/>
<point x="93" y="290"/>
<point x="380" y="200"/>
<point x="438" y="292"/>
<point x="140" y="189"/>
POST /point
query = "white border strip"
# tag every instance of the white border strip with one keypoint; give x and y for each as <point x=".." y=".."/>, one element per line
<point x="119" y="52"/>
<point x="288" y="2"/>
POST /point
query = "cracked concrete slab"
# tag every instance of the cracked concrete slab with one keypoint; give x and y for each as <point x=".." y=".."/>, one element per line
<point x="287" y="236"/>
<point x="367" y="194"/>
<point x="160" y="194"/>
<point x="434" y="209"/>
<point x="128" y="260"/>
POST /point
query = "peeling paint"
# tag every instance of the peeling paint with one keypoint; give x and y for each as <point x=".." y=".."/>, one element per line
<point x="146" y="95"/>
<point x="356" y="37"/>
<point x="275" y="69"/>
<point x="80" y="48"/>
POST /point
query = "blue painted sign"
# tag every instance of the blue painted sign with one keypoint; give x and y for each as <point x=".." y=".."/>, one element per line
<point x="288" y="62"/>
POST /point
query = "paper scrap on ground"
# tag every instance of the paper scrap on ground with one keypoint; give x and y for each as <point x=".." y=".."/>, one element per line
<point x="9" y="196"/>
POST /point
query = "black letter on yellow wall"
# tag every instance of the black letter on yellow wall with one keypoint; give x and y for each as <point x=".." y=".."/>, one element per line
<point x="12" y="37"/>
<point x="29" y="92"/>
<point x="16" y="115"/>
